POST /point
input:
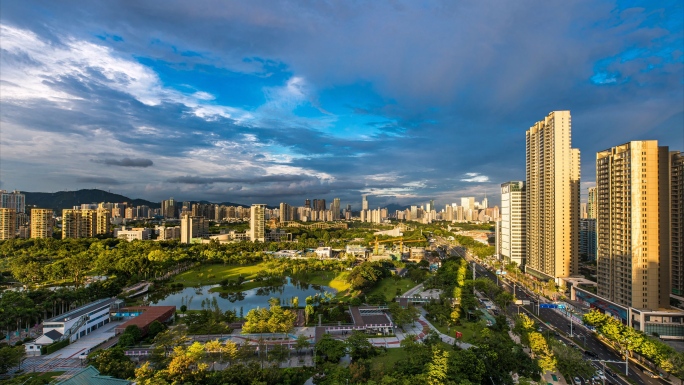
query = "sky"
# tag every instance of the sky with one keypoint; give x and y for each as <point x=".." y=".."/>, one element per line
<point x="268" y="102"/>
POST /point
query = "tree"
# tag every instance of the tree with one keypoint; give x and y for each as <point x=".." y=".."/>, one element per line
<point x="155" y="328"/>
<point x="329" y="349"/>
<point x="436" y="369"/>
<point x="230" y="350"/>
<point x="278" y="354"/>
<point x="504" y="299"/>
<point x="403" y="316"/>
<point x="359" y="346"/>
<point x="10" y="357"/>
<point x="302" y="342"/>
<point x="308" y="312"/>
<point x="113" y="362"/>
<point x="126" y="340"/>
<point x="214" y="348"/>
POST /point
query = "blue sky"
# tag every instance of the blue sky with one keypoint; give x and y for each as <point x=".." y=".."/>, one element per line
<point x="263" y="102"/>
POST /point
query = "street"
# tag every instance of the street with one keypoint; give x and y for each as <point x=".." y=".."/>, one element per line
<point x="556" y="321"/>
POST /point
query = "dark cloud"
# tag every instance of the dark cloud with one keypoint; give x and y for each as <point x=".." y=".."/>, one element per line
<point x="125" y="162"/>
<point x="255" y="180"/>
<point x="458" y="82"/>
<point x="100" y="180"/>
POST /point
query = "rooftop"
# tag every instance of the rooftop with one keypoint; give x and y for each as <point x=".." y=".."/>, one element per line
<point x="85" y="309"/>
<point x="91" y="376"/>
<point x="149" y="314"/>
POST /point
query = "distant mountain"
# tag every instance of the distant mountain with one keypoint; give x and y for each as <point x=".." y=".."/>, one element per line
<point x="67" y="199"/>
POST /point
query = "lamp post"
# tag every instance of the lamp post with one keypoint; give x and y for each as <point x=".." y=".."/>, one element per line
<point x="626" y="357"/>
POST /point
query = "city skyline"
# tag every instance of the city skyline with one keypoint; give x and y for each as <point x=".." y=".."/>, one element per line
<point x="269" y="103"/>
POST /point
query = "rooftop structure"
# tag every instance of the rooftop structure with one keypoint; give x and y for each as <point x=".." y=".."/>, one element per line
<point x="143" y="316"/>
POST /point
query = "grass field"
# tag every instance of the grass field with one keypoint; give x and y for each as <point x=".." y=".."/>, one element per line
<point x="213" y="274"/>
<point x="395" y="354"/>
<point x="467" y="328"/>
<point x="388" y="287"/>
<point x="392" y="356"/>
<point x="333" y="279"/>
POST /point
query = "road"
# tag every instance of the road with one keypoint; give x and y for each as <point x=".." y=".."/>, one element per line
<point x="558" y="322"/>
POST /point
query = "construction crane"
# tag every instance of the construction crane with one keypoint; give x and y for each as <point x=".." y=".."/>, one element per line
<point x="377" y="243"/>
<point x="402" y="241"/>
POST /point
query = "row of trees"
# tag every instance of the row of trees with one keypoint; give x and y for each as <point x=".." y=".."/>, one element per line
<point x="549" y="352"/>
<point x="494" y="360"/>
<point x="626" y="338"/>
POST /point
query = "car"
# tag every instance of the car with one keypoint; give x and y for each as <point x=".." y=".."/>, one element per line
<point x="576" y="381"/>
<point x="650" y="373"/>
<point x="590" y="353"/>
<point x="610" y="373"/>
<point x="599" y="374"/>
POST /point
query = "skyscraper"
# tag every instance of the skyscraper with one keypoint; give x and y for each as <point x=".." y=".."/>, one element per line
<point x="285" y="212"/>
<point x="168" y="208"/>
<point x="364" y="202"/>
<point x="104" y="217"/>
<point x="8" y="223"/>
<point x="468" y="203"/>
<point x="512" y="227"/>
<point x="335" y="208"/>
<point x="41" y="223"/>
<point x="14" y="200"/>
<point x="552" y="198"/>
<point x="79" y="223"/>
<point x="591" y="203"/>
<point x="677" y="217"/>
<point x="192" y="227"/>
<point x="257" y="224"/>
<point x="587" y="239"/>
<point x="633" y="224"/>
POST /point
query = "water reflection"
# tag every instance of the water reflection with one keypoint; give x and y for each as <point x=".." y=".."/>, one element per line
<point x="283" y="288"/>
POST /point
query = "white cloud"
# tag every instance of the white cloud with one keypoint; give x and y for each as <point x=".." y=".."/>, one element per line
<point x="474" y="177"/>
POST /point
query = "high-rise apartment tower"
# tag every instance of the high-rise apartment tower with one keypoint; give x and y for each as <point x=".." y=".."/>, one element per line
<point x="335" y="208"/>
<point x="553" y="198"/>
<point x="8" y="223"/>
<point x="41" y="223"/>
<point x="192" y="227"/>
<point x="591" y="203"/>
<point x="633" y="224"/>
<point x="512" y="226"/>
<point x="257" y="224"/>
<point x="677" y="218"/>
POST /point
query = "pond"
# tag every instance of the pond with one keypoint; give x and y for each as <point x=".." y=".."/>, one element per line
<point x="192" y="297"/>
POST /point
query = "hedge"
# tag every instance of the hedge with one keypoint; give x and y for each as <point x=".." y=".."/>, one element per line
<point x="53" y="347"/>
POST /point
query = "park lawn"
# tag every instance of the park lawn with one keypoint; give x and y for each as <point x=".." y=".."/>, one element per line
<point x="199" y="276"/>
<point x="387" y="287"/>
<point x="333" y="279"/>
<point x="390" y="357"/>
<point x="467" y="328"/>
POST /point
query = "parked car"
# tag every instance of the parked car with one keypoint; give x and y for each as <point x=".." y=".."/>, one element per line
<point x="576" y="381"/>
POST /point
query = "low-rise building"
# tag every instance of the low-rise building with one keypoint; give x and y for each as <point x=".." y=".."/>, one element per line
<point x="138" y="233"/>
<point x="323" y="252"/>
<point x="73" y="324"/>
